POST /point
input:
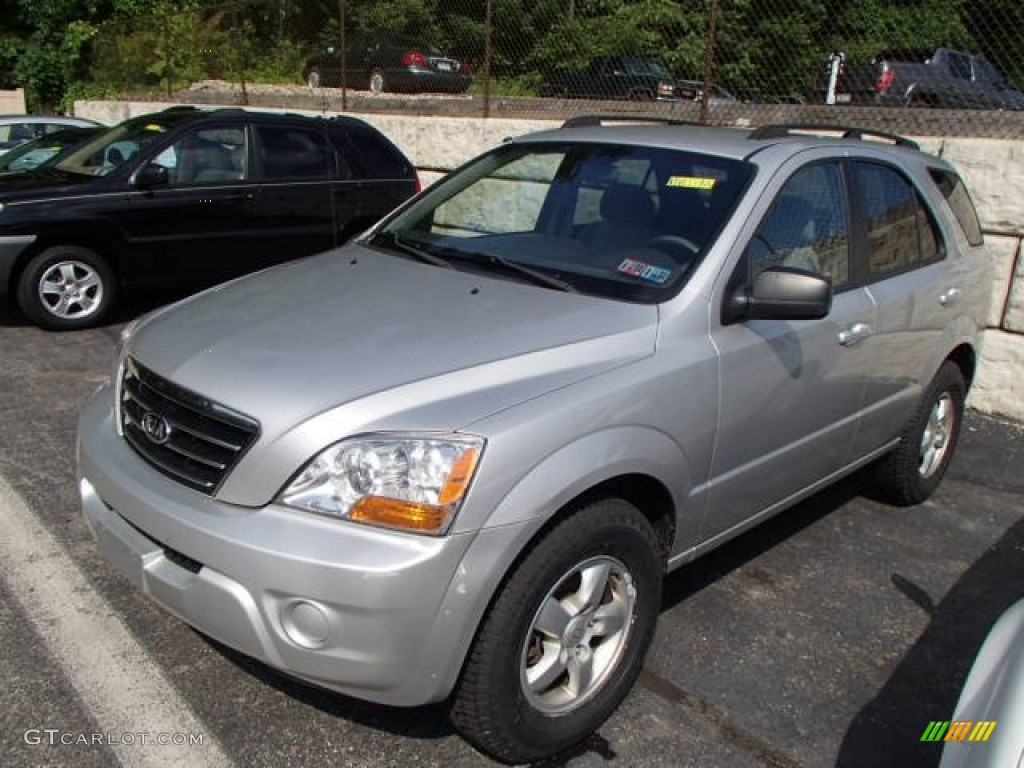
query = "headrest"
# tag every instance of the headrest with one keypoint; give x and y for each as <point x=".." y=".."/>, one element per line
<point x="627" y="205"/>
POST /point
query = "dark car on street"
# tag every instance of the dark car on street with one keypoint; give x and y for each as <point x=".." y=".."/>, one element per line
<point x="192" y="197"/>
<point x="380" y="62"/>
<point x="614" y="77"/>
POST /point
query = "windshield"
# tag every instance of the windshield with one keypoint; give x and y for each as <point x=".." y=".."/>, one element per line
<point x="43" y="151"/>
<point x="625" y="222"/>
<point x="115" y="147"/>
<point x="986" y="72"/>
<point x="646" y="67"/>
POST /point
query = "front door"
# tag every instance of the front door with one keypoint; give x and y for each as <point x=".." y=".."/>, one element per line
<point x="791" y="391"/>
<point x="194" y="227"/>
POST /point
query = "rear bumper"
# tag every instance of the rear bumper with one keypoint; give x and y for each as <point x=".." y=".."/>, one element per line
<point x="430" y="81"/>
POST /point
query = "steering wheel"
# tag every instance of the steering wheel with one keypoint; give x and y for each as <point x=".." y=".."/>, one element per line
<point x="676" y="247"/>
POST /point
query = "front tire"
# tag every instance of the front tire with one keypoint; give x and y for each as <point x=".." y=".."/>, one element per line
<point x="565" y="638"/>
<point x="66" y="287"/>
<point x="913" y="470"/>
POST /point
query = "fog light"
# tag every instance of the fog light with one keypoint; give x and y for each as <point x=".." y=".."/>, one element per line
<point x="305" y="623"/>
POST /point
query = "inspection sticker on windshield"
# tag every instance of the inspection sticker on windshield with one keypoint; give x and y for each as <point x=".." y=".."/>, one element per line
<point x="645" y="271"/>
<point x="690" y="182"/>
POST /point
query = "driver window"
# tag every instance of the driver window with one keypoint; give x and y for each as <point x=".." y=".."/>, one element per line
<point x="805" y="227"/>
<point x="206" y="156"/>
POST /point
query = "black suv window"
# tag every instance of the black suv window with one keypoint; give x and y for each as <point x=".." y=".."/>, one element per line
<point x="806" y="226"/>
<point x="901" y="231"/>
<point x="953" y="189"/>
<point x="370" y="154"/>
<point x="290" y="152"/>
<point x="204" y="156"/>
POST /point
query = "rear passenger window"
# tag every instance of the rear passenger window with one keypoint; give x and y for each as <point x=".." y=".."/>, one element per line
<point x="955" y="192"/>
<point x="292" y="153"/>
<point x="901" y="231"/>
<point x="806" y="226"/>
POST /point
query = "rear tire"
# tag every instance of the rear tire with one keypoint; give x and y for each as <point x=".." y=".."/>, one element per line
<point x="66" y="287"/>
<point x="565" y="637"/>
<point x="913" y="470"/>
<point x="377" y="82"/>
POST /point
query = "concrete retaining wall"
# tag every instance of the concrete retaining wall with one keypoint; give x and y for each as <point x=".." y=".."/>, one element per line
<point x="992" y="168"/>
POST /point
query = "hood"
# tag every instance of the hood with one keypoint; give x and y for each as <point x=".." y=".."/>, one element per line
<point x="40" y="182"/>
<point x="312" y="335"/>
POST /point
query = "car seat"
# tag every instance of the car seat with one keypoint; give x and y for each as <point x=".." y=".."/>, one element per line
<point x="627" y="219"/>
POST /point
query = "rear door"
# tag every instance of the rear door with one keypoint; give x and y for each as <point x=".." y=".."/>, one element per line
<point x="296" y="169"/>
<point x="916" y="294"/>
<point x="791" y="391"/>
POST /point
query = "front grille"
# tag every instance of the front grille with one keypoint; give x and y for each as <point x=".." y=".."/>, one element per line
<point x="180" y="433"/>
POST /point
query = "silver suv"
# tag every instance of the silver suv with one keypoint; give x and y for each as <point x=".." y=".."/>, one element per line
<point x="454" y="458"/>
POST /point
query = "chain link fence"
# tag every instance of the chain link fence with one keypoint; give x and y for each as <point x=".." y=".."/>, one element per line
<point x="930" y="67"/>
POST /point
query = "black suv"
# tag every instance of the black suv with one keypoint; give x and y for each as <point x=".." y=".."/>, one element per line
<point x="190" y="196"/>
<point x="614" y="77"/>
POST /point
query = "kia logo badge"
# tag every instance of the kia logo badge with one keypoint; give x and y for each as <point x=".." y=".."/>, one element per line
<point x="156" y="428"/>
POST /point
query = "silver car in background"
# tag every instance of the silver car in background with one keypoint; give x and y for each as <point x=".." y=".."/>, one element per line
<point x="454" y="459"/>
<point x="988" y="723"/>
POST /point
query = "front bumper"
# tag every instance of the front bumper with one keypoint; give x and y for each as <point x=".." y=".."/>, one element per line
<point x="11" y="247"/>
<point x="375" y="614"/>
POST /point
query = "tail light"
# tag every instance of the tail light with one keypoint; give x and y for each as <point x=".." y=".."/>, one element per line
<point x="414" y="59"/>
<point x="885" y="78"/>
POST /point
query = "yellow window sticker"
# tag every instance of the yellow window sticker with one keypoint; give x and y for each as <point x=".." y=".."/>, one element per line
<point x="691" y="182"/>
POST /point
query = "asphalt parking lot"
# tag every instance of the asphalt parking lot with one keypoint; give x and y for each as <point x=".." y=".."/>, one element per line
<point x="831" y="635"/>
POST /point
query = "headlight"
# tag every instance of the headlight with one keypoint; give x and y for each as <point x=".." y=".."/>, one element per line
<point x="117" y="374"/>
<point x="412" y="482"/>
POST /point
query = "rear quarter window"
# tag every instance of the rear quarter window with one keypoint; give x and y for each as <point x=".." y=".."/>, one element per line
<point x="371" y="155"/>
<point x="955" y="192"/>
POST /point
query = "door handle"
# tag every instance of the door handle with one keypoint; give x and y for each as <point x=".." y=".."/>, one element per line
<point x="855" y="333"/>
<point x="246" y="197"/>
<point x="950" y="297"/>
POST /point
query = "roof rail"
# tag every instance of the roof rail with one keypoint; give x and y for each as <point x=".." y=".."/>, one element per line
<point x="583" y="121"/>
<point x="780" y="131"/>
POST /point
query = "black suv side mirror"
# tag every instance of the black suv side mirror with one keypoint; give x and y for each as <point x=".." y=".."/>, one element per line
<point x="780" y="293"/>
<point x="151" y="175"/>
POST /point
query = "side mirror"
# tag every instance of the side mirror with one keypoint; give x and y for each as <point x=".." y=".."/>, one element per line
<point x="151" y="175"/>
<point x="780" y="293"/>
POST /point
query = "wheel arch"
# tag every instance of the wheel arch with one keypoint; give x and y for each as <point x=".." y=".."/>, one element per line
<point x="84" y="239"/>
<point x="965" y="357"/>
<point x="649" y="494"/>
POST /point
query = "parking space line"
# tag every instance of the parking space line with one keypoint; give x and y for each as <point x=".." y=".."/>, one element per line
<point x="123" y="689"/>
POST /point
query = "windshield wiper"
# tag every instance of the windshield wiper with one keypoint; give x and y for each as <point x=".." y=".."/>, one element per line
<point x="394" y="242"/>
<point x="489" y="259"/>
